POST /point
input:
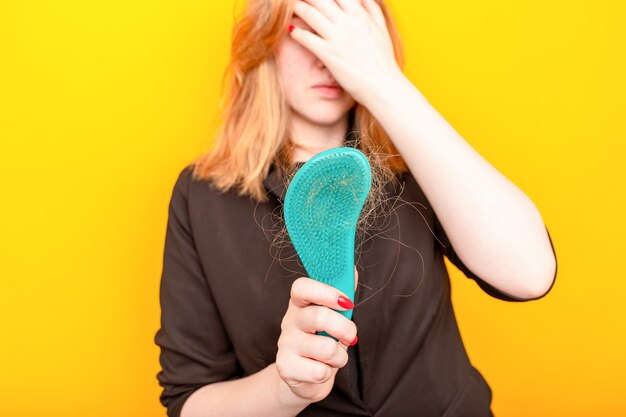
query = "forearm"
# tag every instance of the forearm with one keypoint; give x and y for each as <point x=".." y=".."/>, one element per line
<point x="494" y="227"/>
<point x="261" y="394"/>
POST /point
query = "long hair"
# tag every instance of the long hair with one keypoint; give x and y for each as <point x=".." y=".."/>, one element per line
<point x="253" y="133"/>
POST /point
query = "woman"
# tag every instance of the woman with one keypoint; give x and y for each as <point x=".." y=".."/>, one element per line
<point x="237" y="334"/>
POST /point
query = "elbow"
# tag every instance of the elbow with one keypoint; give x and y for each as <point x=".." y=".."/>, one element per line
<point x="547" y="277"/>
<point x="546" y="271"/>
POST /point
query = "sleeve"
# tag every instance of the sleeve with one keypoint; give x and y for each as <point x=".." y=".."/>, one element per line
<point x="449" y="252"/>
<point x="194" y="347"/>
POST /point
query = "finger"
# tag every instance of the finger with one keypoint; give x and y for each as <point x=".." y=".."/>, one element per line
<point x="356" y="278"/>
<point x="319" y="318"/>
<point x="313" y="17"/>
<point x="323" y="349"/>
<point x="303" y="369"/>
<point x="309" y="40"/>
<point x="330" y="9"/>
<point x="307" y="291"/>
<point x="349" y="6"/>
<point x="376" y="13"/>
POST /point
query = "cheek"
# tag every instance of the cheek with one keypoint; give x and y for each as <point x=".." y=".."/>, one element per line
<point x="294" y="53"/>
<point x="293" y="61"/>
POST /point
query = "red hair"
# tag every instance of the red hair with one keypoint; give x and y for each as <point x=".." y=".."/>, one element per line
<point x="253" y="133"/>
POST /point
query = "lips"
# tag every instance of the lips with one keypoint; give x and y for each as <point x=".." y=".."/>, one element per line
<point x="330" y="85"/>
<point x="330" y="92"/>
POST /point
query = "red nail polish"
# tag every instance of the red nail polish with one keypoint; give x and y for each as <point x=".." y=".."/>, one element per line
<point x="345" y="302"/>
<point x="291" y="27"/>
<point x="354" y="341"/>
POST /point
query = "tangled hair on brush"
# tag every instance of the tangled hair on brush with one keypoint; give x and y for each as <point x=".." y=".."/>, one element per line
<point x="382" y="174"/>
<point x="253" y="131"/>
<point x="377" y="205"/>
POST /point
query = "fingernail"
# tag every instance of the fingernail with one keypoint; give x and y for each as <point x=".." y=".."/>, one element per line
<point x="345" y="302"/>
<point x="354" y="341"/>
<point x="291" y="27"/>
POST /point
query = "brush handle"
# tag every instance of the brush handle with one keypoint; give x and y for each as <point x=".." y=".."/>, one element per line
<point x="345" y="284"/>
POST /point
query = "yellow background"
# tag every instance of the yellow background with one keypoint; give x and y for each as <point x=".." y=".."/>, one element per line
<point x="103" y="103"/>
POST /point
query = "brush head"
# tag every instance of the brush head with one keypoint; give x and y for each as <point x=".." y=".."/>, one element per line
<point x="322" y="207"/>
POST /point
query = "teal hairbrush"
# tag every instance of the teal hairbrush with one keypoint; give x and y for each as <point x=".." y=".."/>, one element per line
<point x="322" y="207"/>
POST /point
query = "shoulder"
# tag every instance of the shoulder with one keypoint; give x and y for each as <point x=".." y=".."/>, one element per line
<point x="180" y="190"/>
<point x="184" y="177"/>
<point x="188" y="184"/>
<point x="198" y="193"/>
<point x="188" y="187"/>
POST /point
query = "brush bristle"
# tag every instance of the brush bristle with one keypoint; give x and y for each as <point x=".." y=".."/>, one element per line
<point x="322" y="208"/>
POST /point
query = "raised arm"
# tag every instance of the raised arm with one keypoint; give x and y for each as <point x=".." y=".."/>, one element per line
<point x="494" y="227"/>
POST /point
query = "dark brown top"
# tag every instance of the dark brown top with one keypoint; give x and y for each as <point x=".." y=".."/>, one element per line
<point x="225" y="288"/>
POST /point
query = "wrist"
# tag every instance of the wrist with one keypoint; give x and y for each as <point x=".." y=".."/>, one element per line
<point x="385" y="87"/>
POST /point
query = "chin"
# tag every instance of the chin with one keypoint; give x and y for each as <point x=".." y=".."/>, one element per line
<point x="326" y="119"/>
<point x="328" y="115"/>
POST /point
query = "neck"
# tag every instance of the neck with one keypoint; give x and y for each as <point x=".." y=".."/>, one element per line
<point x="310" y="138"/>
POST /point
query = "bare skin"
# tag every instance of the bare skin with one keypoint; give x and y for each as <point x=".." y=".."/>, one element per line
<point x="306" y="362"/>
